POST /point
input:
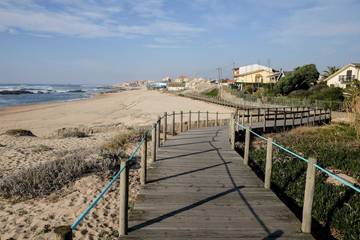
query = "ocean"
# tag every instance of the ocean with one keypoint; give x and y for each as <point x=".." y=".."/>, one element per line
<point x="22" y="94"/>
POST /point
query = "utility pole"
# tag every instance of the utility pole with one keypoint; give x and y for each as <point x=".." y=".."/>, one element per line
<point x="219" y="69"/>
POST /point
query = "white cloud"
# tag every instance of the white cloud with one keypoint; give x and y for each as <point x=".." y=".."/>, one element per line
<point x="325" y="19"/>
<point x="89" y="18"/>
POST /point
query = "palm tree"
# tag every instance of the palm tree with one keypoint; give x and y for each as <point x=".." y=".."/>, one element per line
<point x="330" y="71"/>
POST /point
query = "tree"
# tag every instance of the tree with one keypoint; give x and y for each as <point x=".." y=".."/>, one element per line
<point x="301" y="78"/>
<point x="330" y="71"/>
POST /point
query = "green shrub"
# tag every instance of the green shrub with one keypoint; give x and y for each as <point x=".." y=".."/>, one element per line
<point x="336" y="208"/>
<point x="212" y="93"/>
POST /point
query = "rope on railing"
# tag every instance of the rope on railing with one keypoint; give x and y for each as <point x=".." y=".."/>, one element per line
<point x="107" y="186"/>
<point x="324" y="170"/>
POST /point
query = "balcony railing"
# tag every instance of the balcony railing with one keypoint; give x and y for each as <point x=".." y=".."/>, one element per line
<point x="346" y="78"/>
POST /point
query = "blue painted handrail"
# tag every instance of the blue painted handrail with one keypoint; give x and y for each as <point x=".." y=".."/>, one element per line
<point x="107" y="187"/>
<point x="324" y="170"/>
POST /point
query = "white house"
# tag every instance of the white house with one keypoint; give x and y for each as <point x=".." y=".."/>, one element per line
<point x="344" y="76"/>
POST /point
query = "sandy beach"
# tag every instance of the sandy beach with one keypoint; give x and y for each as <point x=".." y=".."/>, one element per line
<point x="103" y="117"/>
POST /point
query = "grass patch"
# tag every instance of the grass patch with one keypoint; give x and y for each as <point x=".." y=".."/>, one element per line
<point x="113" y="148"/>
<point x="47" y="177"/>
<point x="212" y="93"/>
<point x="336" y="208"/>
<point x="19" y="133"/>
<point x="71" y="132"/>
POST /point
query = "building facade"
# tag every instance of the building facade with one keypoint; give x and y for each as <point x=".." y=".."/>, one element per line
<point x="344" y="76"/>
<point x="256" y="74"/>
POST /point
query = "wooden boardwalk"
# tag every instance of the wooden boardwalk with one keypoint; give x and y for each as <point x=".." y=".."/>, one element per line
<point x="199" y="189"/>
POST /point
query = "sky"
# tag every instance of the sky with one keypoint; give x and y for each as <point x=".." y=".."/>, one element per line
<point x="109" y="41"/>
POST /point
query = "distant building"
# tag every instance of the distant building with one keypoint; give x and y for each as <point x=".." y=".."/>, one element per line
<point x="156" y="85"/>
<point x="176" y="86"/>
<point x="344" y="76"/>
<point x="166" y="79"/>
<point x="256" y="74"/>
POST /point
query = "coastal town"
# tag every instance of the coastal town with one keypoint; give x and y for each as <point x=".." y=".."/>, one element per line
<point x="161" y="119"/>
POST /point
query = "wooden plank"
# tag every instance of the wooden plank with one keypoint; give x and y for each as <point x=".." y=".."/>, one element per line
<point x="199" y="188"/>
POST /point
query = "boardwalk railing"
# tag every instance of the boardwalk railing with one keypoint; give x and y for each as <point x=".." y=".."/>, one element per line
<point x="317" y="118"/>
<point x="167" y="124"/>
<point x="252" y="102"/>
<point x="286" y="101"/>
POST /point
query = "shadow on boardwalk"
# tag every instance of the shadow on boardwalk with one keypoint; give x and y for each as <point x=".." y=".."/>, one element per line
<point x="203" y="191"/>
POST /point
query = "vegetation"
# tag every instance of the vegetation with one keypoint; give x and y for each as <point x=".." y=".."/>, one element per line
<point x="45" y="178"/>
<point x="336" y="208"/>
<point x="212" y="93"/>
<point x="113" y="149"/>
<point x="352" y="94"/>
<point x="48" y="177"/>
<point x="19" y="133"/>
<point x="319" y="92"/>
<point x="302" y="78"/>
<point x="297" y="87"/>
<point x="71" y="132"/>
<point x="330" y="71"/>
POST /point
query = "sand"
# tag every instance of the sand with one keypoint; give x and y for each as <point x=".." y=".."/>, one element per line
<point x="104" y="116"/>
<point x="136" y="107"/>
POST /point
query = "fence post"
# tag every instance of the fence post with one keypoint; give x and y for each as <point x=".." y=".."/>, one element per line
<point x="284" y="126"/>
<point x="275" y="118"/>
<point x="217" y="119"/>
<point x="63" y="233"/>
<point x="144" y="162"/>
<point x="330" y="112"/>
<point x="258" y="115"/>
<point x="251" y="117"/>
<point x="153" y="141"/>
<point x="243" y="119"/>
<point x="268" y="164"/>
<point x="293" y="119"/>
<point x="301" y="116"/>
<point x="198" y="121"/>
<point x="173" y="124"/>
<point x="247" y="146"/>
<point x="232" y="122"/>
<point x="165" y="127"/>
<point x="308" y="116"/>
<point x="207" y="118"/>
<point x="124" y="198"/>
<point x="264" y="127"/>
<point x="189" y="123"/>
<point x="308" y="196"/>
<point x="181" y="121"/>
<point x="158" y="132"/>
